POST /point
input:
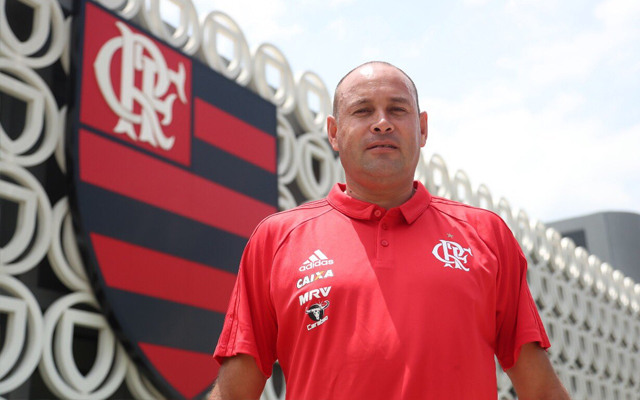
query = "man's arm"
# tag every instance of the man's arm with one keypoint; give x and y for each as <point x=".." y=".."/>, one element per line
<point x="239" y="378"/>
<point x="533" y="376"/>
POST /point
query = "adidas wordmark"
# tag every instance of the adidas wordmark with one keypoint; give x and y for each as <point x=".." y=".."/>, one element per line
<point x="317" y="259"/>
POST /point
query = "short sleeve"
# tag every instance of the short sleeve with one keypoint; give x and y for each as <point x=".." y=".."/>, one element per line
<point x="517" y="318"/>
<point x="250" y="325"/>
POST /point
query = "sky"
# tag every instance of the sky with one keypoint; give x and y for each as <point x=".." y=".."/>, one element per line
<point x="537" y="99"/>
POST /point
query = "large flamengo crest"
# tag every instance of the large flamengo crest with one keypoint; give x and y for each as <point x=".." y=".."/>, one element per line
<point x="173" y="166"/>
<point x="156" y="81"/>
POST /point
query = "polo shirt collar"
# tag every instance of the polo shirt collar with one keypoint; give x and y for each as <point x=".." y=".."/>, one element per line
<point x="358" y="209"/>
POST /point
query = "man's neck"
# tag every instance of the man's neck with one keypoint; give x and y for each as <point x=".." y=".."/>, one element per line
<point x="383" y="196"/>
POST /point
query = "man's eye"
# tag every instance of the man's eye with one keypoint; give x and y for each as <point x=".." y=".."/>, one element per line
<point x="398" y="110"/>
<point x="361" y="111"/>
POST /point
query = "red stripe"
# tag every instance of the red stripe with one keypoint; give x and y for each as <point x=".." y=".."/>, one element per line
<point x="234" y="136"/>
<point x="117" y="168"/>
<point x="190" y="373"/>
<point x="151" y="273"/>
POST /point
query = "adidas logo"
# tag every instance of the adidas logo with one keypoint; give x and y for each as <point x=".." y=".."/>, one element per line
<point x="317" y="259"/>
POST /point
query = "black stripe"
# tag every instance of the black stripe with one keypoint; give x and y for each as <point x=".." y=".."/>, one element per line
<point x="122" y="218"/>
<point x="164" y="323"/>
<point x="217" y="166"/>
<point x="227" y="95"/>
<point x="234" y="173"/>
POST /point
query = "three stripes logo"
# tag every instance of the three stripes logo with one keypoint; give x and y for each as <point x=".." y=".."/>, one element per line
<point x="163" y="228"/>
<point x="317" y="259"/>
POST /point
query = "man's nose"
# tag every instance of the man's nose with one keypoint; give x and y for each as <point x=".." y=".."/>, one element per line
<point x="383" y="125"/>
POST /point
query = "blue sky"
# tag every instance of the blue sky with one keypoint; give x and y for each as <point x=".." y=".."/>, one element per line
<point x="537" y="99"/>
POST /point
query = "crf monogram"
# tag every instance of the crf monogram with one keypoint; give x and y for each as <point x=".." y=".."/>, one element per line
<point x="140" y="54"/>
<point x="452" y="254"/>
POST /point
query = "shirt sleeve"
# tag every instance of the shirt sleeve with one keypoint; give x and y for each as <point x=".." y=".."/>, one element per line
<point x="250" y="325"/>
<point x="517" y="318"/>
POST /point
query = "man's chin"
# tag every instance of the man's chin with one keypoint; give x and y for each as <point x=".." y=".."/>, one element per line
<point x="384" y="170"/>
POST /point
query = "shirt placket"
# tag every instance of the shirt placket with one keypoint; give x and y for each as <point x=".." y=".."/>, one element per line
<point x="385" y="244"/>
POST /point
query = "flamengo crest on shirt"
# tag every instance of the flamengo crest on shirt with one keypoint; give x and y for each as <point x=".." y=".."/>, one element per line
<point x="452" y="254"/>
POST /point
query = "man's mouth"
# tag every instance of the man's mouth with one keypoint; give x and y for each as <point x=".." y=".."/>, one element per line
<point x="387" y="146"/>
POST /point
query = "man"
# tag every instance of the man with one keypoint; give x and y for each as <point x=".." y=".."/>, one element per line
<point x="381" y="291"/>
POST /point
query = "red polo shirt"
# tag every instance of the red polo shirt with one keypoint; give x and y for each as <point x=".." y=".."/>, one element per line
<point x="357" y="302"/>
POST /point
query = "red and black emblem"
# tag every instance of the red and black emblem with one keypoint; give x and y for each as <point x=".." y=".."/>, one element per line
<point x="173" y="166"/>
<point x="316" y="311"/>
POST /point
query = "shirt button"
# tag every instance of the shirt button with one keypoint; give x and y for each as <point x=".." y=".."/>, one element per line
<point x="385" y="226"/>
<point x="384" y="243"/>
<point x="377" y="213"/>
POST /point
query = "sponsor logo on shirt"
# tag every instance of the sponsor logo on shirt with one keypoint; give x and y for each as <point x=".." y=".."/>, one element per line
<point x="316" y="313"/>
<point x="452" y="254"/>
<point x="302" y="282"/>
<point x="314" y="294"/>
<point x="317" y="259"/>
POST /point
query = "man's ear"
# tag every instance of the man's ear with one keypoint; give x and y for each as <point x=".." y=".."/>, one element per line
<point x="424" y="128"/>
<point x="332" y="132"/>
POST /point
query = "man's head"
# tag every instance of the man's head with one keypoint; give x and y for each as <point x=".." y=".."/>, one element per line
<point x="336" y="95"/>
<point x="377" y="127"/>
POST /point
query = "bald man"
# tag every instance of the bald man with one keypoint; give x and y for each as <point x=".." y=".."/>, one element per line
<point x="380" y="290"/>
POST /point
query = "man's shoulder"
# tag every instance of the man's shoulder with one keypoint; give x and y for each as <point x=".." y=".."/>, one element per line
<point x="476" y="216"/>
<point x="285" y="221"/>
<point x="488" y="225"/>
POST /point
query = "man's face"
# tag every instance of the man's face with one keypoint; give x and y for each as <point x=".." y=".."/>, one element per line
<point x="378" y="130"/>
